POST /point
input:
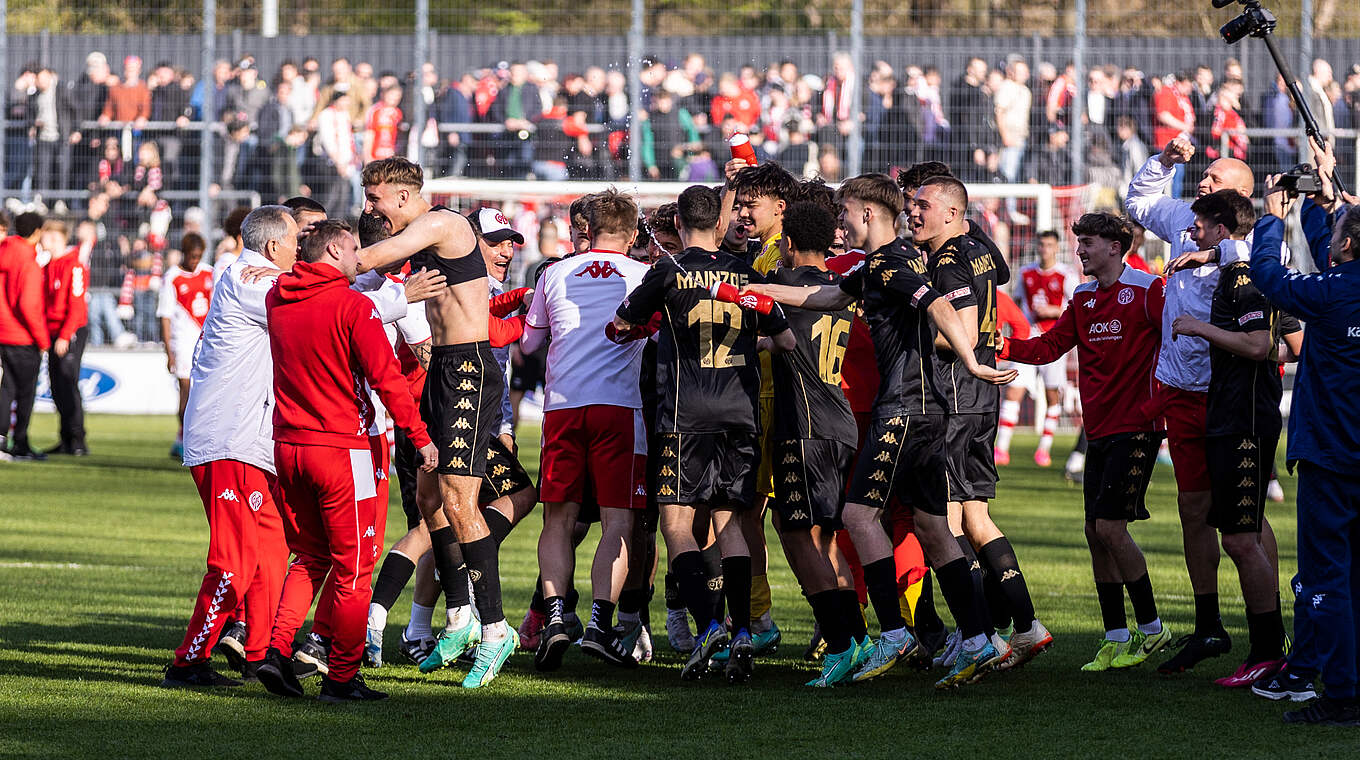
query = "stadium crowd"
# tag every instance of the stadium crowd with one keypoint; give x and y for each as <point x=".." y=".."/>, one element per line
<point x="769" y="346"/>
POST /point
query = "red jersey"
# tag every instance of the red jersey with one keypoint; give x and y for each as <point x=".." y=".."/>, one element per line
<point x="1139" y="263"/>
<point x="384" y="122"/>
<point x="1117" y="332"/>
<point x="1038" y="287"/>
<point x="1168" y="100"/>
<point x="329" y="347"/>
<point x="1230" y="121"/>
<point x="66" y="295"/>
<point x="22" y="321"/>
<point x="744" y="107"/>
<point x="859" y="370"/>
<point x="1008" y="315"/>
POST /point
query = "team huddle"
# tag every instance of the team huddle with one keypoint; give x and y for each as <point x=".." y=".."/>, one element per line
<point x="831" y="371"/>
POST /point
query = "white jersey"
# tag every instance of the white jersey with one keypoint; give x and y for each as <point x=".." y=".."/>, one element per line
<point x="574" y="299"/>
<point x="225" y="260"/>
<point x="184" y="300"/>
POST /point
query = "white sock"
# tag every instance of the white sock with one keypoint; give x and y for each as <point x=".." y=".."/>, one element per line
<point x="1150" y="628"/>
<point x="1076" y="461"/>
<point x="1050" y="427"/>
<point x="974" y="643"/>
<point x="419" y="627"/>
<point x="1119" y="634"/>
<point x="495" y="631"/>
<point x="377" y="616"/>
<point x="459" y="616"/>
<point x="1010" y="414"/>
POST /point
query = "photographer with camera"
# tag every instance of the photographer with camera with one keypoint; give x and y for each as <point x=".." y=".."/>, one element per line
<point x="1324" y="443"/>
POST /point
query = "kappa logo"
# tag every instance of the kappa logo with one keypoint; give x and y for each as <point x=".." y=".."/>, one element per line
<point x="1246" y="464"/>
<point x="1125" y="297"/>
<point x="369" y="532"/>
<point x="379" y="475"/>
<point x="667" y="472"/>
<point x="874" y="495"/>
<point x="879" y="476"/>
<point x="458" y="443"/>
<point x="791" y="478"/>
<point x="600" y="270"/>
<point x="505" y="484"/>
<point x="1298" y="588"/>
<point x="666" y="491"/>
<point x="467" y="366"/>
<point x="228" y="495"/>
<point x="1318" y="599"/>
<point x="641" y="490"/>
<point x="256" y="501"/>
<point x="1009" y="574"/>
<point x="499" y="470"/>
<point x="1113" y="327"/>
<point x="795" y="496"/>
<point x="467" y="385"/>
<point x="790" y="459"/>
<point x="884" y="457"/>
<point x="888" y="437"/>
<point x="462" y="424"/>
<point x="457" y="462"/>
<point x="895" y="422"/>
<point x="1247" y="483"/>
<point x="668" y="452"/>
<point x="887" y="275"/>
<point x="463" y="404"/>
<point x="1246" y="520"/>
<point x="1133" y="489"/>
<point x="1138" y="454"/>
<point x="1246" y="501"/>
<point x="799" y="514"/>
<point x="975" y="566"/>
<point x="490" y="454"/>
<point x="374" y="315"/>
<point x="1135" y="472"/>
<point x="1246" y="445"/>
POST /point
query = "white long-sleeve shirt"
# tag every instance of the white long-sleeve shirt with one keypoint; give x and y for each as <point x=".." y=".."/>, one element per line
<point x="1183" y="361"/>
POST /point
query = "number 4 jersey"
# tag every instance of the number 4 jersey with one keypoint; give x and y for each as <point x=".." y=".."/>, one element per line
<point x="808" y="400"/>
<point x="708" y="376"/>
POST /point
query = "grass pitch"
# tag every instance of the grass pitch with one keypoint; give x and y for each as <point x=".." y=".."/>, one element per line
<point x="100" y="559"/>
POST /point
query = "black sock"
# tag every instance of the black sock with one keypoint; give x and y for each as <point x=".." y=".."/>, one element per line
<point x="396" y="570"/>
<point x="1110" y="594"/>
<point x="602" y="615"/>
<point x="737" y="590"/>
<point x="975" y="566"/>
<point x="673" y="599"/>
<point x="1266" y="630"/>
<point x="1208" y="619"/>
<point x="483" y="563"/>
<point x="497" y="524"/>
<point x="833" y="627"/>
<point x="453" y="573"/>
<point x="692" y="585"/>
<point x="632" y="600"/>
<point x="925" y="616"/>
<point x="645" y="614"/>
<point x="555" y="607"/>
<point x="1081" y="441"/>
<point x="573" y="596"/>
<point x="880" y="577"/>
<point x="853" y="614"/>
<point x="536" y="602"/>
<point x="1004" y="568"/>
<point x="1144" y="604"/>
<point x="713" y="581"/>
<point x="962" y="591"/>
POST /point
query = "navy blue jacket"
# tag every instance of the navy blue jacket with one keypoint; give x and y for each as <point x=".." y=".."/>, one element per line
<point x="1324" y="418"/>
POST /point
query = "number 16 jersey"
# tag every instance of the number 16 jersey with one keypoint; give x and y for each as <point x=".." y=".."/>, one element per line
<point x="707" y="374"/>
<point x="808" y="400"/>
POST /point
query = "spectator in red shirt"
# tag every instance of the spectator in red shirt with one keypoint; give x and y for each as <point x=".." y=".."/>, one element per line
<point x="1228" y="121"/>
<point x="23" y="331"/>
<point x="735" y="101"/>
<point x="130" y="99"/>
<point x="1174" y="115"/>
<point x="67" y="295"/>
<point x="382" y="126"/>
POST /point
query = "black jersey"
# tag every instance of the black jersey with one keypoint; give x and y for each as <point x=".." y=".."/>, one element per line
<point x="470" y="266"/>
<point x="1244" y="394"/>
<point x="707" y="371"/>
<point x="964" y="270"/>
<point x="894" y="292"/>
<point x="808" y="400"/>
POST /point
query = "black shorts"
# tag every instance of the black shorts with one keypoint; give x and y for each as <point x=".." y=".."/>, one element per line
<point x="714" y="469"/>
<point x="531" y="371"/>
<point x="407" y="461"/>
<point x="969" y="441"/>
<point x="504" y="474"/>
<point x="809" y="482"/>
<point x="903" y="456"/>
<point x="462" y="406"/>
<point x="1239" y="471"/>
<point x="1118" y="470"/>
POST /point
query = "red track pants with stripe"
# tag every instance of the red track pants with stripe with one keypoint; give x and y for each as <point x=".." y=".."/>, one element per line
<point x="247" y="555"/>
<point x="335" y="522"/>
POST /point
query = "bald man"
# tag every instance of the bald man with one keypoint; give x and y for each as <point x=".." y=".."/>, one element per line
<point x="1183" y="370"/>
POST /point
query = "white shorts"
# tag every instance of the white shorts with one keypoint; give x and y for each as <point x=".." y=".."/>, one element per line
<point x="1052" y="375"/>
<point x="184" y="358"/>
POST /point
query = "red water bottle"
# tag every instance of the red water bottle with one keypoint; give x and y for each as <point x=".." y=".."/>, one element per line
<point x="741" y="148"/>
<point x="729" y="293"/>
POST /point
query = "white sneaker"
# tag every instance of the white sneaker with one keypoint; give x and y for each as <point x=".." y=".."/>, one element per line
<point x="952" y="644"/>
<point x="679" y="635"/>
<point x="1026" y="646"/>
<point x="642" y="650"/>
<point x="1274" y="491"/>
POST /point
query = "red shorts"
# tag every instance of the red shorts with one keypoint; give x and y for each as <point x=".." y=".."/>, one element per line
<point x="598" y="443"/>
<point x="1184" y="414"/>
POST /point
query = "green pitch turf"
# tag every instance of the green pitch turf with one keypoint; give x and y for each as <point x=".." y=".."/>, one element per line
<point x="100" y="559"/>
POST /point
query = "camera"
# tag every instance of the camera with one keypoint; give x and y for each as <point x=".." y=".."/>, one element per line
<point x="1301" y="180"/>
<point x="1255" y="21"/>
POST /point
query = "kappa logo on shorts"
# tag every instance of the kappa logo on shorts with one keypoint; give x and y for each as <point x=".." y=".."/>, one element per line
<point x="1138" y="454"/>
<point x="874" y="495"/>
<point x="791" y="478"/>
<point x="1247" y="501"/>
<point x="461" y="424"/>
<point x="256" y="501"/>
<point x="799" y="514"/>
<point x="490" y="454"/>
<point x="896" y="422"/>
<point x="1135" y="472"/>
<point x="884" y="457"/>
<point x="379" y="474"/>
<point x="505" y="484"/>
<point x="1318" y="599"/>
<point x="1246" y="520"/>
<point x="1011" y="573"/>
<point x="641" y="490"/>
<point x="458" y="443"/>
<point x="467" y="366"/>
<point x="463" y="404"/>
<point x="975" y="566"/>
<point x="668" y="452"/>
<point x="880" y="476"/>
<point x="888" y="437"/>
<point x="1247" y="483"/>
<point x="1133" y="489"/>
<point x="228" y="495"/>
<point x="667" y="472"/>
<point x="666" y="491"/>
<point x="499" y="470"/>
<point x="457" y="462"/>
<point x="795" y="496"/>
<point x="1246" y="464"/>
<point x="467" y="385"/>
<point x="369" y="532"/>
<point x="790" y="459"/>
<point x="1246" y="445"/>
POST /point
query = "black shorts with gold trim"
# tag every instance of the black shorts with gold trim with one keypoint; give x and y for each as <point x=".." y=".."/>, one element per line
<point x="903" y="455"/>
<point x="461" y="406"/>
<point x="809" y="482"/>
<point x="1239" y="471"/>
<point x="504" y="474"/>
<point x="713" y="469"/>
<point x="1118" y="470"/>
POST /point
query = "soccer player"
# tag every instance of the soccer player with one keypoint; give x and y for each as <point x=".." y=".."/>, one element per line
<point x="185" y="295"/>
<point x="463" y="390"/>
<point x="1114" y="322"/>
<point x="591" y="423"/>
<point x="1243" y="421"/>
<point x="1041" y="290"/>
<point x="229" y="448"/>
<point x="66" y="293"/>
<point x="906" y="453"/>
<point x="1183" y="371"/>
<point x="964" y="271"/>
<point x="23" y="332"/>
<point x="706" y="422"/>
<point x="325" y="338"/>
<point x="814" y="435"/>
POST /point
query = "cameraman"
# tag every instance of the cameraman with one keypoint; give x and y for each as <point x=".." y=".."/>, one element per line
<point x="1183" y="370"/>
<point x="1324" y="442"/>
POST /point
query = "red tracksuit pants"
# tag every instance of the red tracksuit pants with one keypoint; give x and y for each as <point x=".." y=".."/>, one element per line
<point x="335" y="525"/>
<point x="247" y="555"/>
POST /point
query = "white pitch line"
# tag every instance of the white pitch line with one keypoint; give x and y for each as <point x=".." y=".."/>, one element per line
<point x="63" y="566"/>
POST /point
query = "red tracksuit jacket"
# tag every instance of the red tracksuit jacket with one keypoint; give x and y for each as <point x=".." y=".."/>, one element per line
<point x="67" y="308"/>
<point x="22" y="322"/>
<point x="327" y="341"/>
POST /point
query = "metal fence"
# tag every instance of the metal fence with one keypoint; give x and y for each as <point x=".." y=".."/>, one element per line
<point x="191" y="107"/>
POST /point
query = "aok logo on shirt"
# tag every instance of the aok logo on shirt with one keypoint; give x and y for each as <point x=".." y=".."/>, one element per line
<point x="1113" y="327"/>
